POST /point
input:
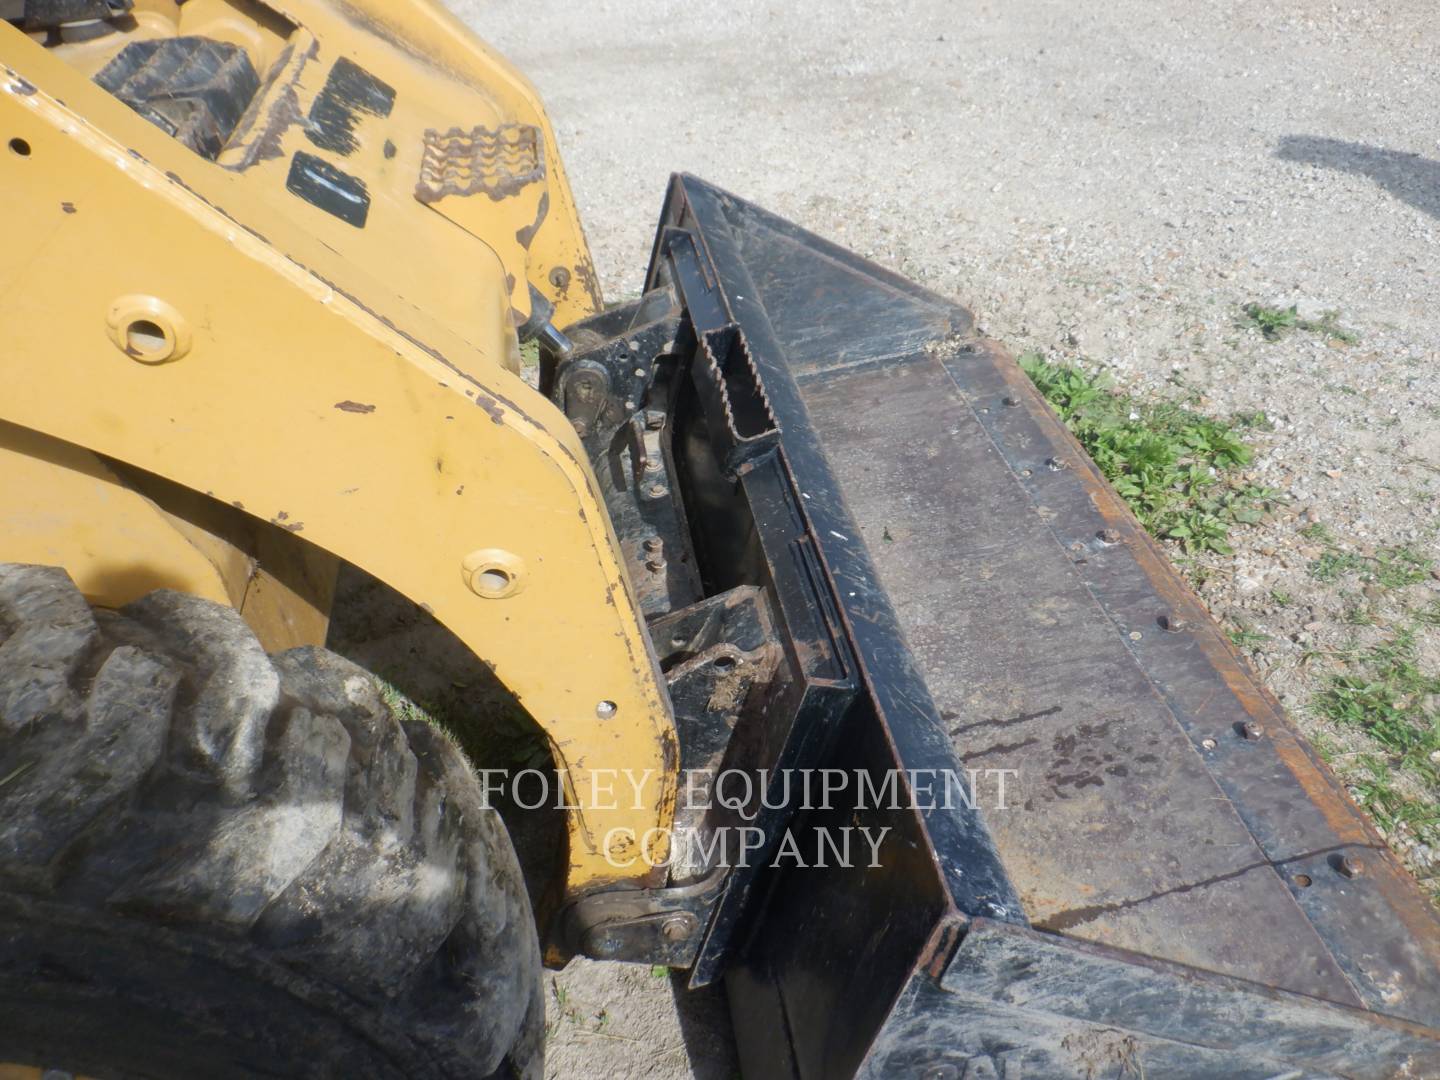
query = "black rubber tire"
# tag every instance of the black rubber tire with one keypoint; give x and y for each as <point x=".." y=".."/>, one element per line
<point x="218" y="863"/>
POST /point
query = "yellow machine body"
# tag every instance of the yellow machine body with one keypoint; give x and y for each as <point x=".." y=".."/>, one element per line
<point x="219" y="379"/>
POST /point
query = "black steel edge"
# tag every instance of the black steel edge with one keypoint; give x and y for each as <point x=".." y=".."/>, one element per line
<point x="963" y="851"/>
<point x="1042" y="1005"/>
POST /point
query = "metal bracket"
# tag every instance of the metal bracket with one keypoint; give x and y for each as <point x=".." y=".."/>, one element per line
<point x="656" y="926"/>
<point x="603" y="382"/>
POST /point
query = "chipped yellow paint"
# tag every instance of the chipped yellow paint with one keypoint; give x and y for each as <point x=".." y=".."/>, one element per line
<point x="354" y="386"/>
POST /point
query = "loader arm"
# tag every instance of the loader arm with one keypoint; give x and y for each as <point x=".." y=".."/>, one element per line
<point x="223" y="324"/>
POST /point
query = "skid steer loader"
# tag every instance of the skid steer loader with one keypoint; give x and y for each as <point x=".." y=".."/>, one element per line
<point x="266" y="270"/>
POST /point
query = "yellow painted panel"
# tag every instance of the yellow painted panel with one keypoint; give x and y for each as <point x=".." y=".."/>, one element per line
<point x="312" y="395"/>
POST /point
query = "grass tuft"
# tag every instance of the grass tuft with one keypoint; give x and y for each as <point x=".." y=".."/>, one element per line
<point x="1384" y="691"/>
<point x="1275" y="322"/>
<point x="1177" y="469"/>
<point x="1390" y="567"/>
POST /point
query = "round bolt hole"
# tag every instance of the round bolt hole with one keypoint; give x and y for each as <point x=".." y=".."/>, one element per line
<point x="724" y="663"/>
<point x="20" y="146"/>
<point x="147" y="329"/>
<point x="606" y="709"/>
<point x="145" y="338"/>
<point x="1348" y="866"/>
<point x="492" y="580"/>
<point x="1302" y="880"/>
<point x="493" y="573"/>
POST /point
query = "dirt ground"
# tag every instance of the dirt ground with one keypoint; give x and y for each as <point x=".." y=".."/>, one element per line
<point x="1100" y="182"/>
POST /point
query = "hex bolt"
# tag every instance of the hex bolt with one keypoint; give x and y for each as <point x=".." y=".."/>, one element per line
<point x="655" y="565"/>
<point x="654" y="544"/>
<point x="1056" y="464"/>
<point x="1172" y="623"/>
<point x="1108" y="536"/>
<point x="657" y="491"/>
<point x="1208" y="744"/>
<point x="1349" y="866"/>
<point x="654" y="464"/>
<point x="676" y="929"/>
<point x="606" y="709"/>
<point x="1253" y="729"/>
<point x="1012" y="401"/>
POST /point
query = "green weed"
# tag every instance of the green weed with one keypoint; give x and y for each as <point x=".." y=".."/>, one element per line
<point x="1274" y="323"/>
<point x="1390" y="567"/>
<point x="1176" y="468"/>
<point x="1384" y="692"/>
<point x="1244" y="638"/>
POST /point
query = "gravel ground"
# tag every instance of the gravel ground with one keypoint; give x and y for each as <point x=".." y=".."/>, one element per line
<point x="1100" y="182"/>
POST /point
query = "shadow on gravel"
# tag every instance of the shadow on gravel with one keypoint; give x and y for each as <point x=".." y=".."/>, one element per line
<point x="1406" y="176"/>
<point x="705" y="1026"/>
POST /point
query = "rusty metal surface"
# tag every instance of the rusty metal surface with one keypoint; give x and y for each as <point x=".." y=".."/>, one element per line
<point x="1177" y="873"/>
<point x="1117" y="833"/>
<point x="1057" y="641"/>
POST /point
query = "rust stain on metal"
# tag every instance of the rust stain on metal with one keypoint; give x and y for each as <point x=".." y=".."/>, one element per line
<point x="526" y="235"/>
<point x="284" y="113"/>
<point x="497" y="162"/>
<point x="491" y="407"/>
<point x="589" y="281"/>
<point x="354" y="407"/>
<point x="942" y="945"/>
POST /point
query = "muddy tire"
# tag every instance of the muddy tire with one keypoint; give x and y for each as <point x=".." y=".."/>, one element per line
<point x="219" y="863"/>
